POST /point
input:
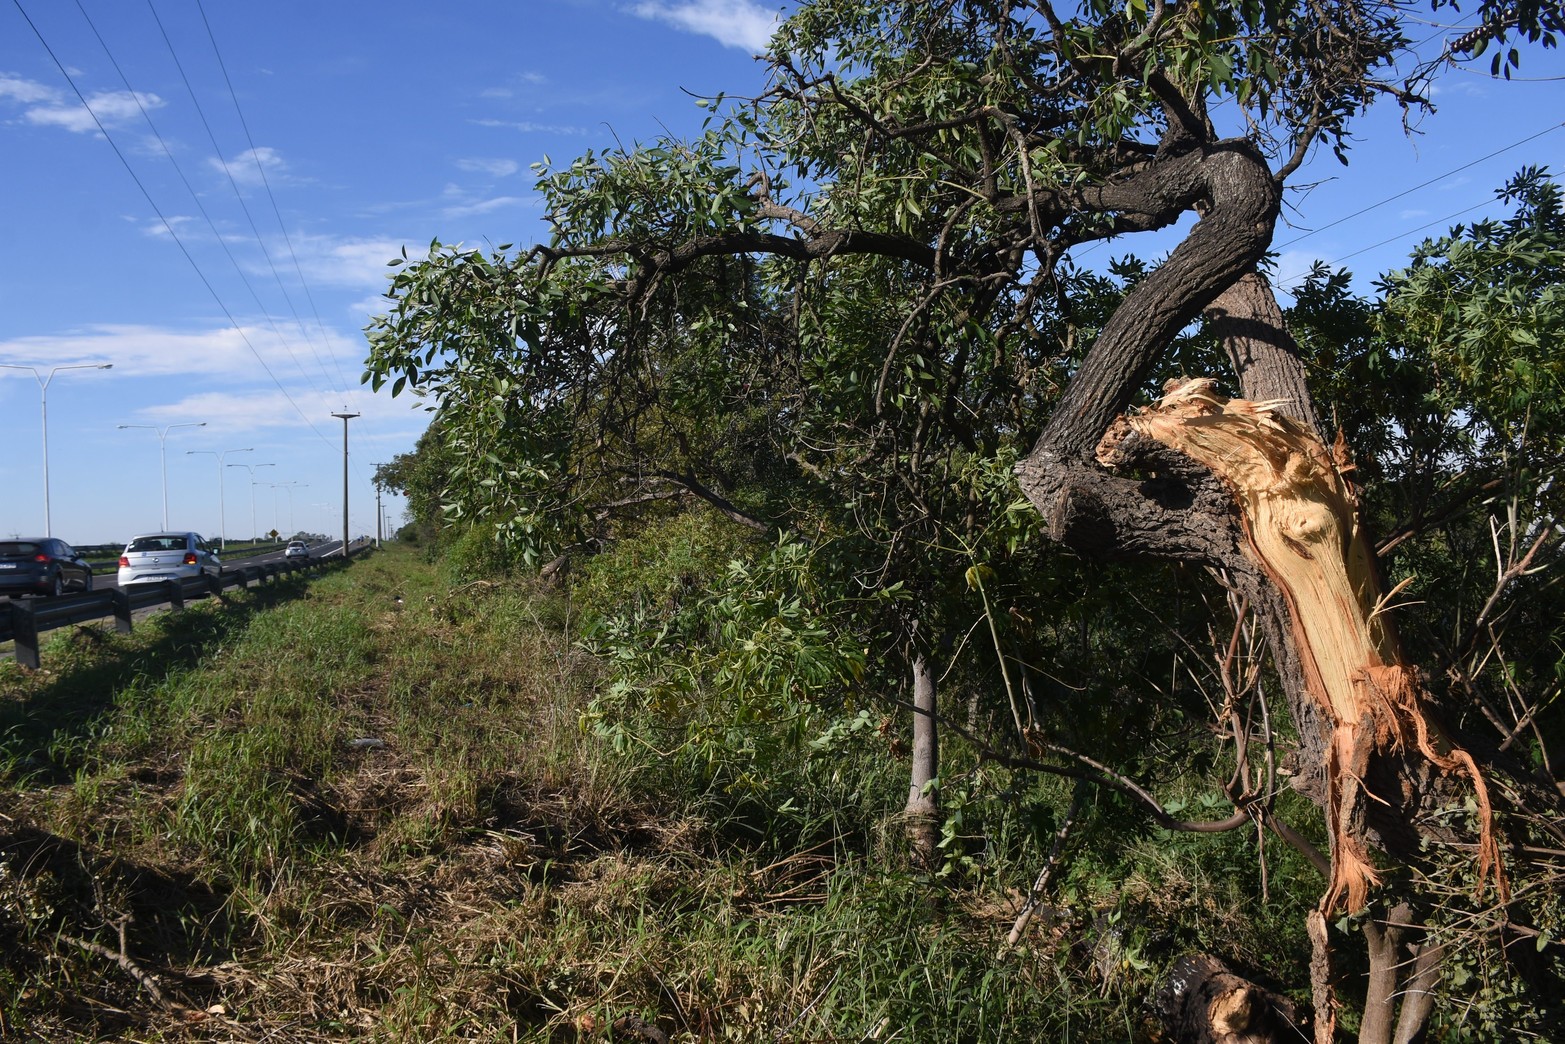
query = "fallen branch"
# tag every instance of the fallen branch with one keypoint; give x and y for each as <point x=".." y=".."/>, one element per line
<point x="147" y="980"/>
<point x="1072" y="813"/>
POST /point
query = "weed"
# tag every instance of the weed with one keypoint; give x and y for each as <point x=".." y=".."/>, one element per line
<point x="369" y="810"/>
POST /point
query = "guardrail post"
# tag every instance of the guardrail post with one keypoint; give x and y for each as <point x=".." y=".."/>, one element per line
<point x="214" y="585"/>
<point x="121" y="611"/>
<point x="176" y="594"/>
<point x="24" y="628"/>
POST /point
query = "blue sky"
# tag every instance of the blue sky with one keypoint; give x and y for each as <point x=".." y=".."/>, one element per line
<point x="230" y="285"/>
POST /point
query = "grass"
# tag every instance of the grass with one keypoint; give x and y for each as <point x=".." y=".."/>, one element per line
<point x="364" y="807"/>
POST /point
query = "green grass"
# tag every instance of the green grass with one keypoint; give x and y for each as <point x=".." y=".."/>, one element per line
<point x="365" y="807"/>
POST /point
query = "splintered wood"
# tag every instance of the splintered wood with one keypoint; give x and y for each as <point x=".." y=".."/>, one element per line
<point x="1300" y="519"/>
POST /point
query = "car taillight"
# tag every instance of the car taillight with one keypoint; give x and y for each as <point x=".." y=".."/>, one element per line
<point x="40" y="558"/>
<point x="190" y="558"/>
<point x="124" y="561"/>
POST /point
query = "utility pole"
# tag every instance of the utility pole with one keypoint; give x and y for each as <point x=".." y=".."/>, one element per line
<point x="346" y="417"/>
<point x="380" y="528"/>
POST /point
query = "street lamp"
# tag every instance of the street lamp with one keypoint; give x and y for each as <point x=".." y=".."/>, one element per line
<point x="276" y="521"/>
<point x="43" y="389"/>
<point x="222" y="509"/>
<point x="163" y="452"/>
<point x="290" y="487"/>
<point x="251" y="469"/>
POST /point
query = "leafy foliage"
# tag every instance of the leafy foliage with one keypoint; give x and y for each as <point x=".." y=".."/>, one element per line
<point x="841" y="316"/>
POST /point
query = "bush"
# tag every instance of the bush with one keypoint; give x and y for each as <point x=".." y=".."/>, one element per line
<point x="662" y="565"/>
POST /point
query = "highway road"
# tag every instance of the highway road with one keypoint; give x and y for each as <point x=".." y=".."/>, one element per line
<point x="108" y="582"/>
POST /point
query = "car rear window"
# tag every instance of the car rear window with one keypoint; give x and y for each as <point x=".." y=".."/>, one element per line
<point x="157" y="543"/>
<point x="18" y="547"/>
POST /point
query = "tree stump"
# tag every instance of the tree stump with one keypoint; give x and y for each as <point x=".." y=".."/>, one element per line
<point x="1203" y="1002"/>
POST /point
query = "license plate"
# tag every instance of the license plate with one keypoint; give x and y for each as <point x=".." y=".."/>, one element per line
<point x="154" y="579"/>
<point x="7" y="565"/>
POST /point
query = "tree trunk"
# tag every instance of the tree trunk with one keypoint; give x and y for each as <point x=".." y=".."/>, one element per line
<point x="1281" y="519"/>
<point x="1265" y="357"/>
<point x="1301" y="528"/>
<point x="923" y="799"/>
<point x="1203" y="1002"/>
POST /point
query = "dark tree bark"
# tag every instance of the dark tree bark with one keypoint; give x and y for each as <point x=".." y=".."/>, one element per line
<point x="1203" y="1002"/>
<point x="1265" y="358"/>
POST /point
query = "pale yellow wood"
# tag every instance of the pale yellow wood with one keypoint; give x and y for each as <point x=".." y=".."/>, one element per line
<point x="1300" y="518"/>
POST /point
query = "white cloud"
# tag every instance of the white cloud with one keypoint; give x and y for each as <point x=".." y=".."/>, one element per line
<point x="529" y="79"/>
<point x="360" y="263"/>
<point x="181" y="225"/>
<point x="252" y="167"/>
<point x="529" y="127"/>
<point x="733" y="23"/>
<point x="1293" y="266"/>
<point x="27" y="92"/>
<point x="225" y="412"/>
<point x="218" y="352"/>
<point x="109" y="108"/>
<point x="497" y="168"/>
<point x="475" y="207"/>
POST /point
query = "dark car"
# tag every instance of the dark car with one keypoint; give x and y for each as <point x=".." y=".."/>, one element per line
<point x="42" y="566"/>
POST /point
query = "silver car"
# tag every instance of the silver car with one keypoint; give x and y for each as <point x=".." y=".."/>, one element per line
<point x="154" y="557"/>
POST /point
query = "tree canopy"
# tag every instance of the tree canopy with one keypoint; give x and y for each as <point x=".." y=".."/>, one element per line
<point x="849" y="317"/>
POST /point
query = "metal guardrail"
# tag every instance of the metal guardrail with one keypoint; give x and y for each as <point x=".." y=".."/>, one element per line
<point x="29" y="618"/>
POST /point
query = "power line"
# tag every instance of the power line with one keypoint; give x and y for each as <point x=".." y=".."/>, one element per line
<point x="194" y="196"/>
<point x="282" y="226"/>
<point x="342" y="383"/>
<point x="1421" y="185"/>
<point x="168" y="227"/>
<point x="238" y="196"/>
<point x="1393" y="239"/>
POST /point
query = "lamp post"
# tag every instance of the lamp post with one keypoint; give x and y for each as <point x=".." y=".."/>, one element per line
<point x="273" y="486"/>
<point x="290" y="487"/>
<point x="251" y="469"/>
<point x="163" y="452"/>
<point x="43" y="398"/>
<point x="222" y="508"/>
<point x="346" y="417"/>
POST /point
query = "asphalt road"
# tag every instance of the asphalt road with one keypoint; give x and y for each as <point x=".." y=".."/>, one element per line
<point x="107" y="581"/>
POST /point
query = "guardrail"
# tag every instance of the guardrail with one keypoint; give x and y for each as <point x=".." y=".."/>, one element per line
<point x="29" y="618"/>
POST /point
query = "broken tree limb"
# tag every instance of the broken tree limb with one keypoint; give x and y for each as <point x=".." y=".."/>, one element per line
<point x="1322" y="994"/>
<point x="1299" y="516"/>
<point x="1035" y="895"/>
<point x="1203" y="1002"/>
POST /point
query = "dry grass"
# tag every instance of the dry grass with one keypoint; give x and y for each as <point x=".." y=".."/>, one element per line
<point x="366" y="809"/>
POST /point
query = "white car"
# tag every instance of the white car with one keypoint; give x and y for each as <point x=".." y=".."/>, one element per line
<point x="155" y="557"/>
<point x="296" y="549"/>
